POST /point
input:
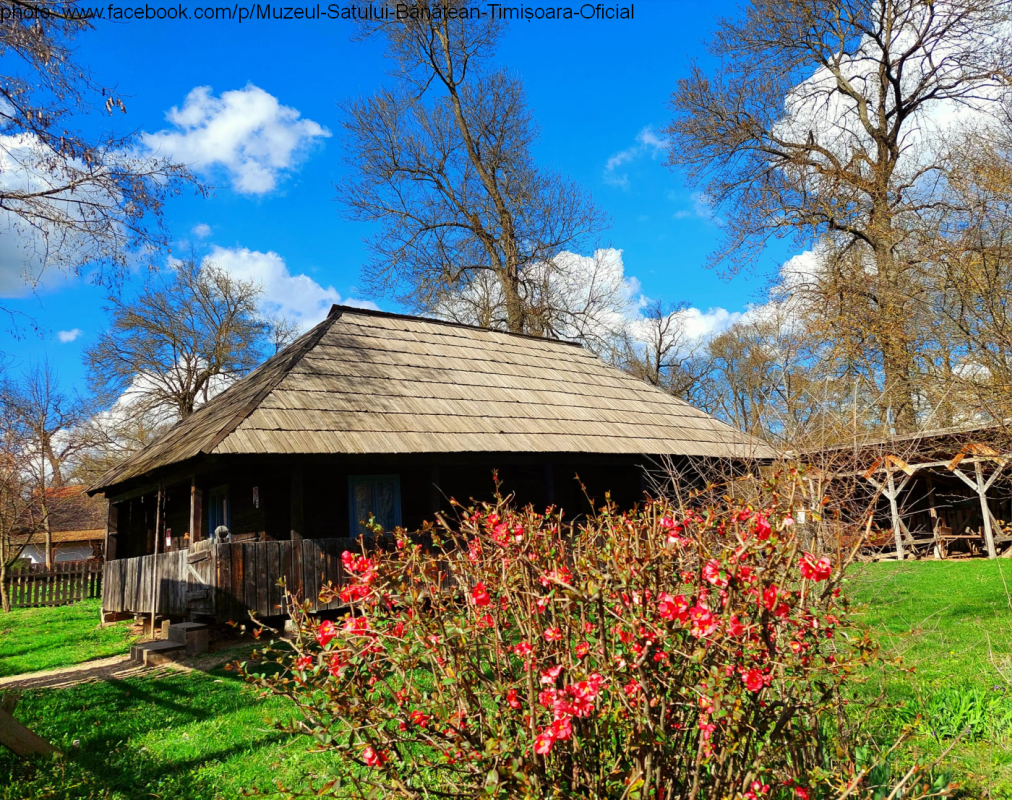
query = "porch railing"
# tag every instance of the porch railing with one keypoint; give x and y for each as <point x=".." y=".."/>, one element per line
<point x="225" y="580"/>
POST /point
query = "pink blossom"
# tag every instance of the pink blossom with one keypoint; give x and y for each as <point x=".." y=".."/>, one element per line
<point x="549" y="675"/>
<point x="815" y="570"/>
<point x="543" y="744"/>
<point x="553" y="635"/>
<point x="753" y="680"/>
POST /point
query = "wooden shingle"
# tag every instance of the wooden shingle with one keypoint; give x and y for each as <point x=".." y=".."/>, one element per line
<point x="368" y="382"/>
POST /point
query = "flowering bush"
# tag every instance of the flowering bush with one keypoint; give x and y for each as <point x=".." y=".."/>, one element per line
<point x="667" y="652"/>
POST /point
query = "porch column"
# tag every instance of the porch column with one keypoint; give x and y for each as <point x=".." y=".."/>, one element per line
<point x="111" y="532"/>
<point x="196" y="512"/>
<point x="155" y="586"/>
<point x="895" y="512"/>
<point x="297" y="520"/>
<point x="985" y="512"/>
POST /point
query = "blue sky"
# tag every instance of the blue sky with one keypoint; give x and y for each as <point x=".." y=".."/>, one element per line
<point x="598" y="90"/>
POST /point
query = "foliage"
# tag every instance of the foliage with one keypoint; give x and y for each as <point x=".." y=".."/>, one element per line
<point x="659" y="653"/>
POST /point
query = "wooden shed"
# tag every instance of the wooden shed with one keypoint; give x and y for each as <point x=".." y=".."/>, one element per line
<point x="377" y="414"/>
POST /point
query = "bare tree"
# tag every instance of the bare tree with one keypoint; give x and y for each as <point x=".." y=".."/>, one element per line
<point x="817" y="123"/>
<point x="51" y="422"/>
<point x="659" y="349"/>
<point x="20" y="513"/>
<point x="444" y="163"/>
<point x="184" y="338"/>
<point x="71" y="202"/>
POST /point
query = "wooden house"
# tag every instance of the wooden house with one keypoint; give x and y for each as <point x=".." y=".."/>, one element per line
<point x="386" y="415"/>
<point x="76" y="525"/>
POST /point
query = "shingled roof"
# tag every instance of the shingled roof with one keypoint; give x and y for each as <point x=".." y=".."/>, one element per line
<point x="370" y="382"/>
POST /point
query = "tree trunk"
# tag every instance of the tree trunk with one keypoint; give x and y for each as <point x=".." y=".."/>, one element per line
<point x="5" y="597"/>
<point x="898" y="393"/>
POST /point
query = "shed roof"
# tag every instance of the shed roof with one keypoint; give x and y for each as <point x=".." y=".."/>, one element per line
<point x="371" y="382"/>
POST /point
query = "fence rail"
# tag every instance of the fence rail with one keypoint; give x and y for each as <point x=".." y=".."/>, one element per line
<point x="63" y="583"/>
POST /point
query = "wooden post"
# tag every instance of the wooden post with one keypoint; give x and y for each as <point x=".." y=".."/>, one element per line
<point x="985" y="512"/>
<point x="111" y="532"/>
<point x="297" y="518"/>
<point x="196" y="512"/>
<point x="154" y="561"/>
<point x="895" y="512"/>
<point x="936" y="533"/>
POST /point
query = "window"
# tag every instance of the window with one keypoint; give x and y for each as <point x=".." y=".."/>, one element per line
<point x="378" y="495"/>
<point x="217" y="509"/>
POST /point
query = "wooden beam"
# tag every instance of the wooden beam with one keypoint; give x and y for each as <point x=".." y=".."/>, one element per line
<point x="296" y="515"/>
<point x="895" y="512"/>
<point x="196" y="511"/>
<point x="111" y="532"/>
<point x="20" y="740"/>
<point x="985" y="512"/>
<point x="933" y="513"/>
<point x="159" y="513"/>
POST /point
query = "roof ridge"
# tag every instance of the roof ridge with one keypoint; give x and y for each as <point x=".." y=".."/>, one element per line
<point x="339" y="309"/>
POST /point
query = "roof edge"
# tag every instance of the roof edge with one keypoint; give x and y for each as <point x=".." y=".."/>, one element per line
<point x="337" y="310"/>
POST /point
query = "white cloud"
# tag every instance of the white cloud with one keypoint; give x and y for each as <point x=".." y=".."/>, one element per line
<point x="700" y="208"/>
<point x="299" y="298"/>
<point x="66" y="337"/>
<point x="246" y="132"/>
<point x="201" y="230"/>
<point x="648" y="143"/>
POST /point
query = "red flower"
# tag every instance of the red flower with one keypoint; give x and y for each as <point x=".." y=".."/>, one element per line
<point x="762" y="528"/>
<point x="480" y="595"/>
<point x="703" y="621"/>
<point x="770" y="597"/>
<point x="801" y="792"/>
<point x="714" y="574"/>
<point x="511" y="698"/>
<point x="582" y="649"/>
<point x="372" y="758"/>
<point x="553" y="635"/>
<point x="304" y="662"/>
<point x="485" y="621"/>
<point x="734" y="627"/>
<point x="815" y="570"/>
<point x="676" y="607"/>
<point x="549" y="675"/>
<point x="335" y="665"/>
<point x="325" y="632"/>
<point x="753" y="680"/>
<point x="522" y="649"/>
<point x="632" y="688"/>
<point x="543" y="744"/>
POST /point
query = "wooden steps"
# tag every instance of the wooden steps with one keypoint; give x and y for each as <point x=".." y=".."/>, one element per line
<point x="184" y="639"/>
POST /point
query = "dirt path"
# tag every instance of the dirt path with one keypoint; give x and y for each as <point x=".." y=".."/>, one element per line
<point x="117" y="668"/>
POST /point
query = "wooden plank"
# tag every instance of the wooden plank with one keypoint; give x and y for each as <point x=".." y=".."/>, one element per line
<point x="285" y="571"/>
<point x="295" y="582"/>
<point x="274" y="574"/>
<point x="238" y="583"/>
<point x="196" y="511"/>
<point x="985" y="512"/>
<point x="20" y="740"/>
<point x="310" y="577"/>
<point x="249" y="558"/>
<point x="223" y="602"/>
<point x="263" y="595"/>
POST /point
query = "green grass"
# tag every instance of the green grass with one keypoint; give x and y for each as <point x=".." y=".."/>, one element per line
<point x="189" y="735"/>
<point x="950" y="623"/>
<point x="34" y="639"/>
<point x="206" y="736"/>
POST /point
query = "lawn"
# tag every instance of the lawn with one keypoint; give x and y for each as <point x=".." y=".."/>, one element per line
<point x="34" y="639"/>
<point x="204" y="735"/>
<point x="950" y="624"/>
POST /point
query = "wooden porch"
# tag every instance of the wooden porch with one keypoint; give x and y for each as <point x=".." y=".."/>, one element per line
<point x="225" y="581"/>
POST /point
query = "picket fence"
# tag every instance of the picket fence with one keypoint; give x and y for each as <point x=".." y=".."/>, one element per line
<point x="65" y="582"/>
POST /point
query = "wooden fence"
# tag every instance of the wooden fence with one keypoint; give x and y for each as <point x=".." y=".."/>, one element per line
<point x="65" y="582"/>
<point x="226" y="580"/>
